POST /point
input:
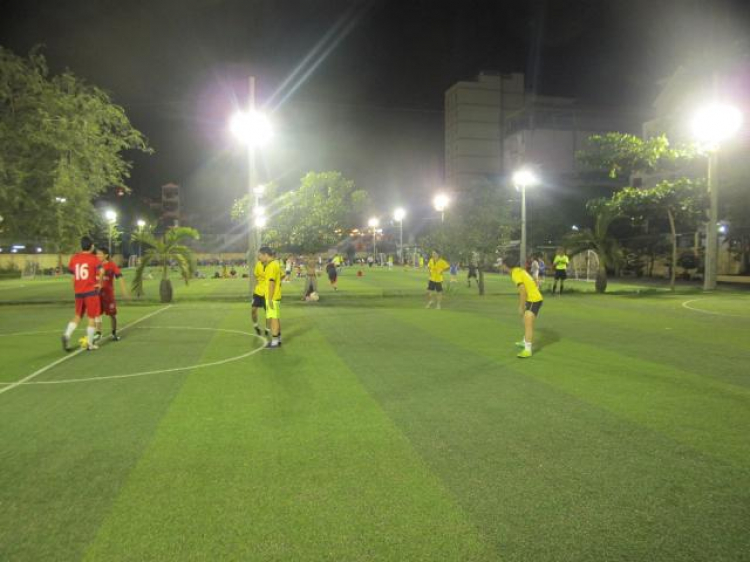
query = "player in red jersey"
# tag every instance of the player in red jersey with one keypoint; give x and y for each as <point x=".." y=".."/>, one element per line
<point x="109" y="305"/>
<point x="87" y="280"/>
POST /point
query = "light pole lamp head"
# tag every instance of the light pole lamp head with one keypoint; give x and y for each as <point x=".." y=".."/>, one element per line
<point x="259" y="190"/>
<point x="251" y="128"/>
<point x="374" y="222"/>
<point x="715" y="124"/>
<point x="440" y="202"/>
<point x="524" y="178"/>
<point x="111" y="216"/>
<point x="141" y="223"/>
<point x="399" y="214"/>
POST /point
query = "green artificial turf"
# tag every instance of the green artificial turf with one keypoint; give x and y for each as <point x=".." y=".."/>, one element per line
<point x="380" y="430"/>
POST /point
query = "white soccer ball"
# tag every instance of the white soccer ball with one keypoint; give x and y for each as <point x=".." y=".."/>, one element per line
<point x="314" y="296"/>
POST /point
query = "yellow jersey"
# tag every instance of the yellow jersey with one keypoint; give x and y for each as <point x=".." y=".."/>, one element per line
<point x="436" y="269"/>
<point x="561" y="262"/>
<point x="260" y="280"/>
<point x="272" y="272"/>
<point x="522" y="277"/>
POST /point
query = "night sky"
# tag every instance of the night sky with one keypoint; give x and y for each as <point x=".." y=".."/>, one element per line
<point x="353" y="86"/>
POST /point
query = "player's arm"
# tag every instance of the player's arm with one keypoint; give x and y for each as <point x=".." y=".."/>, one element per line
<point x="521" y="298"/>
<point x="123" y="286"/>
<point x="270" y="292"/>
<point x="99" y="277"/>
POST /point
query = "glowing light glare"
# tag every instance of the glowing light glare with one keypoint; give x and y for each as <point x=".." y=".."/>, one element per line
<point x="141" y="223"/>
<point x="374" y="222"/>
<point x="61" y="199"/>
<point x="110" y="215"/>
<point x="441" y="202"/>
<point x="574" y="227"/>
<point x="524" y="178"/>
<point x="38" y="250"/>
<point x="260" y="221"/>
<point x="399" y="214"/>
<point x="251" y="128"/>
<point x="716" y="123"/>
<point x="259" y="211"/>
<point x="722" y="229"/>
<point x="259" y="190"/>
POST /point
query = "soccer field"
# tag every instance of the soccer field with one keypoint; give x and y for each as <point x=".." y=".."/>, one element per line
<point x="380" y="430"/>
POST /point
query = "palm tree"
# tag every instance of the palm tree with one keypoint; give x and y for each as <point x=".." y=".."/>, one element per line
<point x="163" y="252"/>
<point x="599" y="239"/>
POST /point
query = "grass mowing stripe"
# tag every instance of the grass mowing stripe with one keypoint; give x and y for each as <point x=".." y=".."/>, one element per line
<point x="545" y="474"/>
<point x="73" y="354"/>
<point x="284" y="458"/>
<point x="697" y="411"/>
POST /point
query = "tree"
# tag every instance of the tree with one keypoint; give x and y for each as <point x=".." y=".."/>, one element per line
<point x="682" y="201"/>
<point x="165" y="251"/>
<point x="621" y="154"/>
<point x="62" y="142"/>
<point x="318" y="215"/>
<point x="599" y="239"/>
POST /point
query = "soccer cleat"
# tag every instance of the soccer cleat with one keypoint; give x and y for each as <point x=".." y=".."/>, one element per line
<point x="92" y="347"/>
<point x="520" y="344"/>
<point x="271" y="345"/>
<point x="257" y="330"/>
<point x="523" y="354"/>
<point x="97" y="336"/>
<point x="65" y="341"/>
<point x="115" y="337"/>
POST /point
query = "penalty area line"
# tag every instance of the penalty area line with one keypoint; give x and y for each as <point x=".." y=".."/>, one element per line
<point x="73" y="354"/>
<point x="686" y="305"/>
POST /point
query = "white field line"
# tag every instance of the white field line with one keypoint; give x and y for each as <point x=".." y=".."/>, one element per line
<point x="713" y="313"/>
<point x="70" y="355"/>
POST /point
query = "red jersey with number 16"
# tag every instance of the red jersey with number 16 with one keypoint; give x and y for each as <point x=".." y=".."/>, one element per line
<point x="85" y="268"/>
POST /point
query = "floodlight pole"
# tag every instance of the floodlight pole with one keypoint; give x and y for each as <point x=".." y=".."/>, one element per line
<point x="401" y="241"/>
<point x="252" y="203"/>
<point x="712" y="239"/>
<point x="522" y="257"/>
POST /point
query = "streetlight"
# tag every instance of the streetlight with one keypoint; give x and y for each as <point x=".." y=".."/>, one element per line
<point x="254" y="130"/>
<point x="713" y="125"/>
<point x="141" y="225"/>
<point x="440" y="202"/>
<point x="522" y="179"/>
<point x="399" y="215"/>
<point x="111" y="217"/>
<point x="374" y="223"/>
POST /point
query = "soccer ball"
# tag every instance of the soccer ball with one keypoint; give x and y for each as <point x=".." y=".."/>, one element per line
<point x="314" y="297"/>
<point x="83" y="342"/>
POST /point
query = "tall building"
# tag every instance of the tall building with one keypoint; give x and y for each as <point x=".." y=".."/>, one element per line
<point x="170" y="204"/>
<point x="474" y="116"/>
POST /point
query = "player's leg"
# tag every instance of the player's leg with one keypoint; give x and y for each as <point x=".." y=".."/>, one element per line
<point x="563" y="276"/>
<point x="273" y="315"/>
<point x="72" y="325"/>
<point x="529" y="317"/>
<point x="254" y="316"/>
<point x="439" y="294"/>
<point x="430" y="293"/>
<point x="113" y="319"/>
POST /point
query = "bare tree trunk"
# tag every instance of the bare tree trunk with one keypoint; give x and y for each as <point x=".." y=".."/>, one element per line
<point x="480" y="281"/>
<point x="673" y="269"/>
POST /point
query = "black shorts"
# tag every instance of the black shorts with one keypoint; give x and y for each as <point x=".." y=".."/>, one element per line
<point x="436" y="286"/>
<point x="561" y="274"/>
<point x="259" y="302"/>
<point x="534" y="307"/>
<point x="472" y="274"/>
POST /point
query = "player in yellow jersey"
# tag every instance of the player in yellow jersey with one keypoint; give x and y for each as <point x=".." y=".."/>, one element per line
<point x="259" y="296"/>
<point x="529" y="302"/>
<point x="560" y="264"/>
<point x="272" y="273"/>
<point x="436" y="266"/>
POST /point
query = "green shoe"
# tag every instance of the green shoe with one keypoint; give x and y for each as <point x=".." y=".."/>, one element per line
<point x="524" y="354"/>
<point x="521" y="344"/>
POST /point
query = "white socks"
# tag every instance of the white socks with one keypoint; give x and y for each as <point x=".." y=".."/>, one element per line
<point x="70" y="329"/>
<point x="526" y="345"/>
<point x="90" y="330"/>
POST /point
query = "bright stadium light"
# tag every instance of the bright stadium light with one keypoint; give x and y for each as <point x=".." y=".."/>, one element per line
<point x="259" y="190"/>
<point x="260" y="221"/>
<point x="111" y="216"/>
<point x="141" y="223"/>
<point x="259" y="211"/>
<point x="399" y="215"/>
<point x="60" y="200"/>
<point x="252" y="128"/>
<point x="716" y="123"/>
<point x="522" y="179"/>
<point x="440" y="202"/>
<point x="713" y="125"/>
<point x="374" y="222"/>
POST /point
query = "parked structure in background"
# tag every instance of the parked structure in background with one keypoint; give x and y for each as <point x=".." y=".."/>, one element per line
<point x="540" y="131"/>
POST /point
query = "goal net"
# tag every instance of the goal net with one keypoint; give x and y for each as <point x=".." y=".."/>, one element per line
<point x="585" y="265"/>
<point x="30" y="270"/>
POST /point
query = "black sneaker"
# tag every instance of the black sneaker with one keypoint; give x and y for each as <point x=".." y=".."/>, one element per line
<point x="115" y="337"/>
<point x="65" y="342"/>
<point x="257" y="330"/>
